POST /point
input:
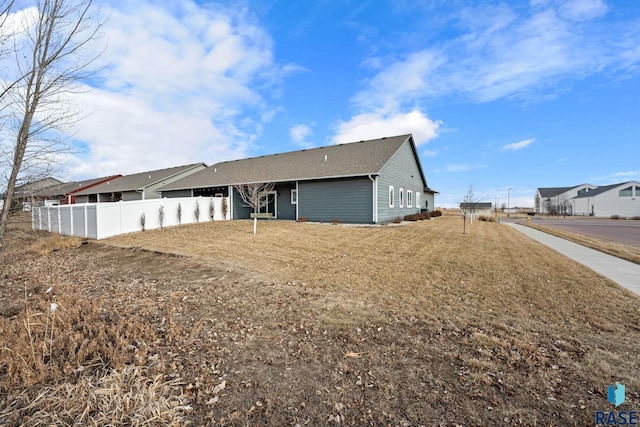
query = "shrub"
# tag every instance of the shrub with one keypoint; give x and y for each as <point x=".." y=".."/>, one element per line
<point x="143" y="221"/>
<point x="482" y="218"/>
<point x="615" y="216"/>
<point x="225" y="208"/>
<point x="335" y="221"/>
<point x="412" y="217"/>
<point x="436" y="213"/>
<point x="636" y="217"/>
<point x="302" y="219"/>
<point x="397" y="220"/>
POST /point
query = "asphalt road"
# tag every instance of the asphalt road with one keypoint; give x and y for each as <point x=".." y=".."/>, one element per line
<point x="622" y="231"/>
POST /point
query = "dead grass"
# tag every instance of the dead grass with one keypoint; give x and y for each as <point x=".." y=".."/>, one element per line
<point x="626" y="252"/>
<point x="327" y="324"/>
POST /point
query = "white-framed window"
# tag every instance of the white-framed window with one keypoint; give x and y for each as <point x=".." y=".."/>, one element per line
<point x="626" y="192"/>
<point x="401" y="198"/>
<point x="409" y="198"/>
<point x="391" y="196"/>
<point x="418" y="201"/>
<point x="294" y="196"/>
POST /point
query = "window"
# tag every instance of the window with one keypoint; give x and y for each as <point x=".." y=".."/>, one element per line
<point x="418" y="201"/>
<point x="391" y="196"/>
<point x="294" y="196"/>
<point x="409" y="199"/>
<point x="626" y="192"/>
<point x="637" y="191"/>
<point x="400" y="198"/>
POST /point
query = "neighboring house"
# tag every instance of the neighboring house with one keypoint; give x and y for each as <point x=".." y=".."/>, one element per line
<point x="621" y="200"/>
<point x="25" y="195"/>
<point x="557" y="200"/>
<point x="371" y="181"/>
<point x="63" y="194"/>
<point x="477" y="209"/>
<point x="139" y="186"/>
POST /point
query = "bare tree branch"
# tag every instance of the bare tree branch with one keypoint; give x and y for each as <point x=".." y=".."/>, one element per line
<point x="51" y="62"/>
<point x="256" y="196"/>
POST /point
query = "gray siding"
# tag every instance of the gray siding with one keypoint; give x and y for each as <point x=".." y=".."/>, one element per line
<point x="401" y="171"/>
<point x="240" y="210"/>
<point x="286" y="210"/>
<point x="348" y="200"/>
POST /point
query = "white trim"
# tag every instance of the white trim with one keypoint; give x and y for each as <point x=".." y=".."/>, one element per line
<point x="409" y="199"/>
<point x="294" y="196"/>
<point x="418" y="201"/>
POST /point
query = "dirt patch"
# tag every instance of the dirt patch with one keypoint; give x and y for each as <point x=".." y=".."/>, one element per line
<point x="320" y="324"/>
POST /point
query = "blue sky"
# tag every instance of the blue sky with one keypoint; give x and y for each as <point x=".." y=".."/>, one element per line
<point x="498" y="95"/>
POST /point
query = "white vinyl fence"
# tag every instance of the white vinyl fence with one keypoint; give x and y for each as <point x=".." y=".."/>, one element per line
<point x="102" y="220"/>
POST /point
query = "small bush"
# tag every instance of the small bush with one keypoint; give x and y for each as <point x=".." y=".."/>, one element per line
<point x="412" y="217"/>
<point x="397" y="220"/>
<point x="636" y="218"/>
<point x="425" y="215"/>
<point x="615" y="216"/>
<point x="335" y="221"/>
<point x="436" y="213"/>
<point x="302" y="219"/>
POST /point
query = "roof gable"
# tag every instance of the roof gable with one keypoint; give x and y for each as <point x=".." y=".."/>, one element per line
<point x="555" y="191"/>
<point x="605" y="188"/>
<point x="334" y="161"/>
<point x="137" y="181"/>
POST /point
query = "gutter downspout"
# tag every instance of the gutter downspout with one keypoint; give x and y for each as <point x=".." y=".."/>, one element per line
<point x="375" y="198"/>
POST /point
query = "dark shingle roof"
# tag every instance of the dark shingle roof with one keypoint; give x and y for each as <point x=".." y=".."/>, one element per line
<point x="554" y="191"/>
<point x="34" y="187"/>
<point x="136" y="181"/>
<point x="334" y="161"/>
<point x="602" y="189"/>
<point x="475" y="205"/>
<point x="71" y="187"/>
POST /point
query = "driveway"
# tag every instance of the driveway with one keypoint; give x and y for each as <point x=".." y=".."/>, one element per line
<point x="626" y="232"/>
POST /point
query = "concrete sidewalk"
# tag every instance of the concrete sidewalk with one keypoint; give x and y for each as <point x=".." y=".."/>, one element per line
<point x="624" y="273"/>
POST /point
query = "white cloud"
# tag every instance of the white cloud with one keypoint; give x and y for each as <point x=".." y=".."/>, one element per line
<point x="518" y="145"/>
<point x="616" y="177"/>
<point x="580" y="10"/>
<point x="503" y="51"/>
<point x="376" y="125"/>
<point x="182" y="83"/>
<point x="299" y="134"/>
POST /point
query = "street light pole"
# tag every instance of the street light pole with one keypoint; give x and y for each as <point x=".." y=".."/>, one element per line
<point x="508" y="201"/>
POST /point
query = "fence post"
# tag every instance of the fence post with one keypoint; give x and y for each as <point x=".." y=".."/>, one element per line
<point x="71" y="219"/>
<point x="86" y="223"/>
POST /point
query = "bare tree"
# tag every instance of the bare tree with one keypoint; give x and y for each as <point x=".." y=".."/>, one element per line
<point x="563" y="204"/>
<point x="50" y="62"/>
<point x="256" y="196"/>
<point x="468" y="208"/>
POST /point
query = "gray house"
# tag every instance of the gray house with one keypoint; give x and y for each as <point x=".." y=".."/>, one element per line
<point x="371" y="181"/>
<point x="139" y="186"/>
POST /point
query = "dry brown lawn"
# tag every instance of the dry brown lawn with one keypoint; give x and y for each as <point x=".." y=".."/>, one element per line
<point x="626" y="252"/>
<point x="316" y="324"/>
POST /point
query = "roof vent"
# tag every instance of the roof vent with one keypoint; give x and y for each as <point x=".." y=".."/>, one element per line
<point x="215" y="170"/>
